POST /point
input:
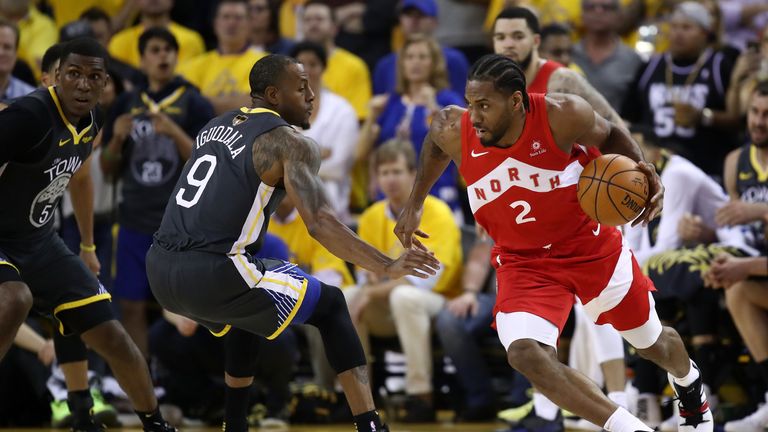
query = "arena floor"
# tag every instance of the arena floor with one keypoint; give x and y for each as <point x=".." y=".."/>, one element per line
<point x="490" y="427"/>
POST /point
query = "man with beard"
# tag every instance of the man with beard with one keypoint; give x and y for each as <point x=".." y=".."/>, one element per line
<point x="516" y="35"/>
<point x="746" y="291"/>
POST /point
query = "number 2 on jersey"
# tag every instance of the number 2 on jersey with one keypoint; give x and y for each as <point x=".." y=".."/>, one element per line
<point x="521" y="217"/>
<point x="210" y="165"/>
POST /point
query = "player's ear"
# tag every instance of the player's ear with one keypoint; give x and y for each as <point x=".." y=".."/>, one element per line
<point x="515" y="101"/>
<point x="272" y="95"/>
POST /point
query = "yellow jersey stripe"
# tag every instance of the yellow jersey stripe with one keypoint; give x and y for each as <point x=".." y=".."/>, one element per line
<point x="762" y="175"/>
<point x="79" y="303"/>
<point x="223" y="331"/>
<point x="9" y="264"/>
<point x="72" y="129"/>
<point x="293" y="312"/>
<point x="247" y="110"/>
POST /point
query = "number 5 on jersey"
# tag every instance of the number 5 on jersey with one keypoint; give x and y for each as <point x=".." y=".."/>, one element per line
<point x="210" y="164"/>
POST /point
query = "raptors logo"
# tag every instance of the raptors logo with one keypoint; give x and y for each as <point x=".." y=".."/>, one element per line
<point x="46" y="201"/>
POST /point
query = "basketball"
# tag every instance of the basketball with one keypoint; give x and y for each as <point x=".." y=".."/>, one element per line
<point x="611" y="190"/>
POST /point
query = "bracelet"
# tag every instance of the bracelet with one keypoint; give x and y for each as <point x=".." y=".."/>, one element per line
<point x="87" y="248"/>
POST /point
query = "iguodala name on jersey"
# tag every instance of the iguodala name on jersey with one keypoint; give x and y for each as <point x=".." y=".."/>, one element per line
<point x="226" y="135"/>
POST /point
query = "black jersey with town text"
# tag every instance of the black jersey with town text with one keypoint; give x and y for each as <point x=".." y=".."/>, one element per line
<point x="702" y="85"/>
<point x="752" y="187"/>
<point x="220" y="204"/>
<point x="32" y="187"/>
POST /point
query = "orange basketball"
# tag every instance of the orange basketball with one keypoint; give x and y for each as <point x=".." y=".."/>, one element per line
<point x="611" y="190"/>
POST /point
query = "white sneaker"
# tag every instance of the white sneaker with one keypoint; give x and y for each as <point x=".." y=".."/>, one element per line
<point x="695" y="414"/>
<point x="647" y="409"/>
<point x="754" y="422"/>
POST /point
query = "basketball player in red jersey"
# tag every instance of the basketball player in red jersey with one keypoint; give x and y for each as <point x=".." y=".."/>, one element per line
<point x="516" y="35"/>
<point x="521" y="156"/>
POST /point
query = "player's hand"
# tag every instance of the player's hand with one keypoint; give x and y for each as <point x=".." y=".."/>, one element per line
<point x="655" y="190"/>
<point x="729" y="269"/>
<point x="123" y="126"/>
<point x="408" y="225"/>
<point x="415" y="261"/>
<point x="47" y="354"/>
<point x="738" y="212"/>
<point x="91" y="261"/>
<point x="464" y="306"/>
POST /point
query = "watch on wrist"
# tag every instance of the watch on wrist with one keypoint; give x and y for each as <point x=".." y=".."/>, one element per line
<point x="707" y="117"/>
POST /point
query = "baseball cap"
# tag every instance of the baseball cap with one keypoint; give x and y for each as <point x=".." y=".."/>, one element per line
<point x="427" y="7"/>
<point x="694" y="12"/>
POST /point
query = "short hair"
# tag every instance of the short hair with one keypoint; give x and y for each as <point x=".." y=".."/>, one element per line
<point x="51" y="56"/>
<point x="520" y="12"/>
<point x="14" y="28"/>
<point x="223" y="2"/>
<point x="312" y="47"/>
<point x="554" y="29"/>
<point x="322" y="3"/>
<point x="391" y="150"/>
<point x="761" y="88"/>
<point x="267" y="72"/>
<point x="506" y="75"/>
<point x="438" y="76"/>
<point x="84" y="46"/>
<point x="161" y="33"/>
<point x="95" y="14"/>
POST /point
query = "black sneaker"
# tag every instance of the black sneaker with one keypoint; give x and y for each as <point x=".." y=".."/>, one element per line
<point x="163" y="426"/>
<point x="417" y="410"/>
<point x="534" y="423"/>
<point x="695" y="415"/>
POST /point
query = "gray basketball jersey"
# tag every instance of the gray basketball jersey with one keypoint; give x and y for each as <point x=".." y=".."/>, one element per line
<point x="752" y="186"/>
<point x="220" y="204"/>
<point x="31" y="191"/>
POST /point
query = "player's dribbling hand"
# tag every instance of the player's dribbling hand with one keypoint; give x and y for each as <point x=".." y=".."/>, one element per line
<point x="415" y="261"/>
<point x="91" y="261"/>
<point x="655" y="190"/>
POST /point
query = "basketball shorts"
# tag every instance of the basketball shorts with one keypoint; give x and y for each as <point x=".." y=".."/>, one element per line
<point x="62" y="286"/>
<point x="536" y="290"/>
<point x="131" y="281"/>
<point x="262" y="296"/>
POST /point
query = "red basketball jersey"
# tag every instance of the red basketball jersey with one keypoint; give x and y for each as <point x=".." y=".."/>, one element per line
<point x="541" y="81"/>
<point x="525" y="195"/>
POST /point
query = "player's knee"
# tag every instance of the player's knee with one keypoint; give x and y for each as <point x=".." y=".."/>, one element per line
<point x="331" y="303"/>
<point x="527" y="356"/>
<point x="109" y="338"/>
<point x="663" y="346"/>
<point x="17" y="297"/>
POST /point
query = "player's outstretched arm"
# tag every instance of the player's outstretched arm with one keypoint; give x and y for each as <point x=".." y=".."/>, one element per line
<point x="441" y="144"/>
<point x="578" y="122"/>
<point x="301" y="162"/>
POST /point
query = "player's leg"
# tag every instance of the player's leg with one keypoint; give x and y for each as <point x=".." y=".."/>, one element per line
<point x="15" y="303"/>
<point x="240" y="349"/>
<point x="71" y="354"/>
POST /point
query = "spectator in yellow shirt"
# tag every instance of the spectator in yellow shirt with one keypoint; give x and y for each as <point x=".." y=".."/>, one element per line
<point x="407" y="306"/>
<point x="124" y="45"/>
<point x="222" y="74"/>
<point x="37" y="31"/>
<point x="347" y="74"/>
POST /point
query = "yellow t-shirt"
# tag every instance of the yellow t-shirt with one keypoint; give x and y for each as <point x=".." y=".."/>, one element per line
<point x="288" y="15"/>
<point x="66" y="11"/>
<point x="37" y="33"/>
<point x="307" y="252"/>
<point x="125" y="45"/>
<point x="347" y="75"/>
<point x="218" y="75"/>
<point x="376" y="226"/>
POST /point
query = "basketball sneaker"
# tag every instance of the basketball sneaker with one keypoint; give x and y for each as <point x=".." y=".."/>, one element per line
<point x="60" y="415"/>
<point x="695" y="414"/>
<point x="513" y="415"/>
<point x="103" y="413"/>
<point x="161" y="426"/>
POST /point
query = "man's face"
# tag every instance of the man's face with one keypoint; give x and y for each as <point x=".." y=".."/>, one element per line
<point x="231" y="24"/>
<point x="81" y="82"/>
<point x="48" y="78"/>
<point x="514" y="39"/>
<point x="686" y="37"/>
<point x="414" y="21"/>
<point x="558" y="48"/>
<point x="258" y="14"/>
<point x="312" y="66"/>
<point x="295" y="96"/>
<point x="318" y="24"/>
<point x="757" y="120"/>
<point x="155" y="7"/>
<point x="489" y="111"/>
<point x="395" y="179"/>
<point x="7" y="49"/>
<point x="101" y="31"/>
<point x="159" y="60"/>
<point x="600" y="15"/>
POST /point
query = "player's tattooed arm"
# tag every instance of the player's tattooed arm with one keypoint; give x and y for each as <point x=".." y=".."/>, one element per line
<point x="568" y="81"/>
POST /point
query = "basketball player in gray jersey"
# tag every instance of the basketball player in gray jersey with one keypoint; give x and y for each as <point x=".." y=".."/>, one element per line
<point x="47" y="141"/>
<point x="201" y="263"/>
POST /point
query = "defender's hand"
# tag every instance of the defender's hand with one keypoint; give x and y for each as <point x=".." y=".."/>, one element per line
<point x="417" y="262"/>
<point x="655" y="190"/>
